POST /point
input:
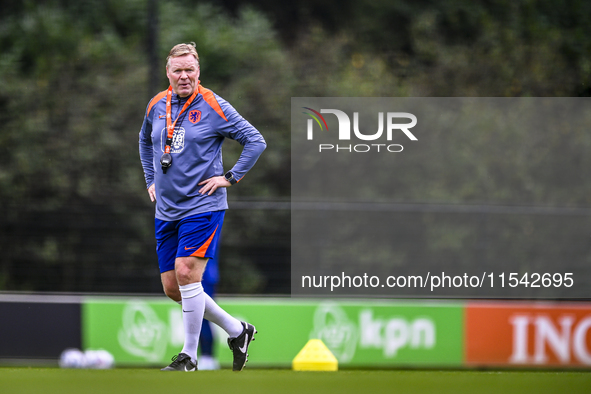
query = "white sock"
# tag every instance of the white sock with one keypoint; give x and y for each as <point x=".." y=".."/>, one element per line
<point x="193" y="306"/>
<point x="217" y="315"/>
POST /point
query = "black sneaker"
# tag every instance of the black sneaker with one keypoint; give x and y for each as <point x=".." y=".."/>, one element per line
<point x="181" y="362"/>
<point x="239" y="346"/>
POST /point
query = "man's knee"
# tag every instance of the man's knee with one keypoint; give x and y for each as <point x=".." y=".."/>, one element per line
<point x="189" y="269"/>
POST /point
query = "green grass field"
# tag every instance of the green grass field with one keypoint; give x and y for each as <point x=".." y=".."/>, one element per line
<point x="144" y="381"/>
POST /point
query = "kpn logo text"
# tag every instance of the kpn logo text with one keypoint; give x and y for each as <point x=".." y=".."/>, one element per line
<point x="394" y="124"/>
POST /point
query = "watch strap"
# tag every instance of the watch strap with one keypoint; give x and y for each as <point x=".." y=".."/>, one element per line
<point x="230" y="177"/>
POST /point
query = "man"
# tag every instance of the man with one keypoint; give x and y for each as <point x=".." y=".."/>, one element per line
<point x="180" y="150"/>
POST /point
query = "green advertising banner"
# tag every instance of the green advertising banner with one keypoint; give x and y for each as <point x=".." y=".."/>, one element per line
<point x="369" y="333"/>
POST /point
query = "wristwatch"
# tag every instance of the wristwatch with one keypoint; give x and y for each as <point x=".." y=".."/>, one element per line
<point x="230" y="177"/>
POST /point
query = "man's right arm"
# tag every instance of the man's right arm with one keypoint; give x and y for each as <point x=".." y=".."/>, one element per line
<point x="147" y="154"/>
<point x="146" y="149"/>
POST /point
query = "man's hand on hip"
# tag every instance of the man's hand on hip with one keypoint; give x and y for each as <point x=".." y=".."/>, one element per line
<point x="210" y="185"/>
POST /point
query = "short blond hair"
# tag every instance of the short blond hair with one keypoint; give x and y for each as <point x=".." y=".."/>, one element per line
<point x="182" y="50"/>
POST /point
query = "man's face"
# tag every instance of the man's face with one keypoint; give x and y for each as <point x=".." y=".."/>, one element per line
<point x="183" y="73"/>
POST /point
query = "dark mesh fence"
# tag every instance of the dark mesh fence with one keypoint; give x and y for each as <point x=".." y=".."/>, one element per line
<point x="99" y="248"/>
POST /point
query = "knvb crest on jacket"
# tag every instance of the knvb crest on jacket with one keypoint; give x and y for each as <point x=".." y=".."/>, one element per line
<point x="194" y="116"/>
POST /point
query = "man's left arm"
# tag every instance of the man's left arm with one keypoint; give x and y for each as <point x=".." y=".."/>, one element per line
<point x="239" y="129"/>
